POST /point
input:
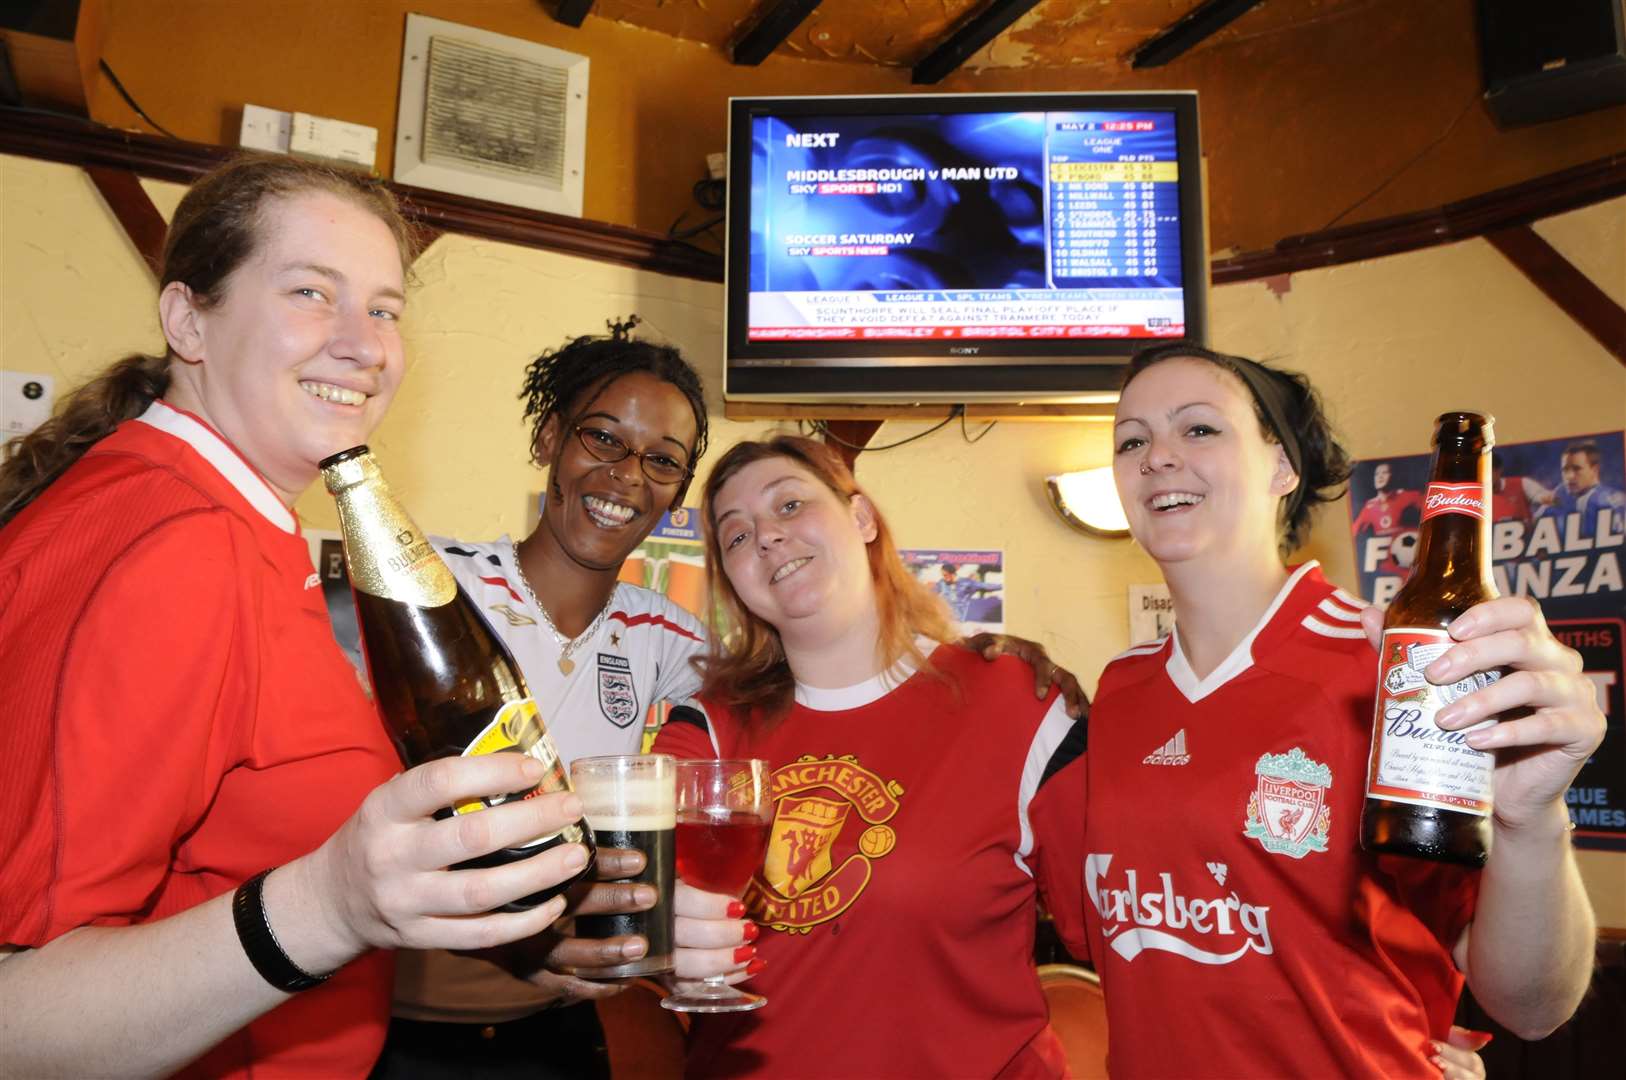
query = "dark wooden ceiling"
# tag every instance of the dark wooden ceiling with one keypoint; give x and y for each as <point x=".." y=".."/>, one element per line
<point x="1099" y="34"/>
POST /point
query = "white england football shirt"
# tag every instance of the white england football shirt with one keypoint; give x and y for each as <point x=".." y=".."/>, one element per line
<point x="639" y="655"/>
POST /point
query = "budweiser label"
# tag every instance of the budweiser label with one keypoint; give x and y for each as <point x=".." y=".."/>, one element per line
<point x="1413" y="759"/>
<point x="517" y="727"/>
<point x="1466" y="499"/>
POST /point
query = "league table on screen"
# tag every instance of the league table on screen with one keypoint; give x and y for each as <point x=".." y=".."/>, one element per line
<point x="1114" y="201"/>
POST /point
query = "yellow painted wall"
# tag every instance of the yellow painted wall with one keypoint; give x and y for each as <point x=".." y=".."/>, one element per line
<point x="1390" y="343"/>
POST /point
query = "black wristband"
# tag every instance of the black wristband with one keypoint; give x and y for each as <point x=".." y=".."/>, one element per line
<point x="254" y="931"/>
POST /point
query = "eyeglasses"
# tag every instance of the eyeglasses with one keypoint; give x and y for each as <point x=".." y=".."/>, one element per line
<point x="607" y="447"/>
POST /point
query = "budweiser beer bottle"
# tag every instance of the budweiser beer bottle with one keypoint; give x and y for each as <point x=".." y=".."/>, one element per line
<point x="1428" y="793"/>
<point x="444" y="682"/>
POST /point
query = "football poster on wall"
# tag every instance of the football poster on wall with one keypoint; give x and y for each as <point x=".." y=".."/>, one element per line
<point x="972" y="583"/>
<point x="672" y="561"/>
<point x="1558" y="535"/>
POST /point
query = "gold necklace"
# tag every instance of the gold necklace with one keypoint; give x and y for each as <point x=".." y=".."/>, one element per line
<point x="566" y="645"/>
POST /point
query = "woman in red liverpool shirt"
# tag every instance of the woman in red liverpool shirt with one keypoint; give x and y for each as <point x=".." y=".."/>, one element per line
<point x="922" y="799"/>
<point x="1225" y="880"/>
<point x="181" y="849"/>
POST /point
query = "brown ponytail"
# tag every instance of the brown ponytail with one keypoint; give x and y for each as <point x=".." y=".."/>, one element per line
<point x="215" y="230"/>
<point x="119" y="393"/>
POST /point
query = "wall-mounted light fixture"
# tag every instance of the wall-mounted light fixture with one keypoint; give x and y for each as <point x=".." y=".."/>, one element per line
<point x="1088" y="501"/>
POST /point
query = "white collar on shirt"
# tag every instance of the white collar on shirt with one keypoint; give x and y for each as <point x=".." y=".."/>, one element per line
<point x="226" y="461"/>
<point x="874" y="688"/>
<point x="1241" y="658"/>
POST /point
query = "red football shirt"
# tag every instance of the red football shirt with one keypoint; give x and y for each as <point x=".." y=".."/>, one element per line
<point x="1389" y="513"/>
<point x="914" y="825"/>
<point x="178" y="717"/>
<point x="1237" y="926"/>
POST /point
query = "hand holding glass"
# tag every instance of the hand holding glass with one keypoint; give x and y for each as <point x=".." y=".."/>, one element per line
<point x="628" y="801"/>
<point x="723" y="816"/>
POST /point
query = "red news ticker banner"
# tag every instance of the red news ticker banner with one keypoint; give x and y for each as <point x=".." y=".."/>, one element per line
<point x="928" y="333"/>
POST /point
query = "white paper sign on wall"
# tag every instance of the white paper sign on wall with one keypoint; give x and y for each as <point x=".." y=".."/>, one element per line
<point x="1151" y="613"/>
<point x="25" y="402"/>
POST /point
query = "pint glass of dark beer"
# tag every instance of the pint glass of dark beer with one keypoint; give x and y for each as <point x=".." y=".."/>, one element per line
<point x="630" y="802"/>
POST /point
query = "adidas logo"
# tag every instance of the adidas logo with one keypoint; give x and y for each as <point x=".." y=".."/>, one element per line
<point x="1172" y="752"/>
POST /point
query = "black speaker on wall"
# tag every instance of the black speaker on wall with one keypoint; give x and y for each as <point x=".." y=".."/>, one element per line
<point x="1547" y="59"/>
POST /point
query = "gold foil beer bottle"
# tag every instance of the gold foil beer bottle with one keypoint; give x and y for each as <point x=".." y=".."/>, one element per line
<point x="444" y="682"/>
<point x="1428" y="793"/>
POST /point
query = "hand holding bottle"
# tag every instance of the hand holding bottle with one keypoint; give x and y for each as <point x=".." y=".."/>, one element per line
<point x="1547" y="705"/>
<point x="381" y="881"/>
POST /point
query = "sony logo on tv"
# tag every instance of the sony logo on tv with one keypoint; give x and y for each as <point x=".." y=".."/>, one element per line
<point x="812" y="138"/>
<point x="964" y="350"/>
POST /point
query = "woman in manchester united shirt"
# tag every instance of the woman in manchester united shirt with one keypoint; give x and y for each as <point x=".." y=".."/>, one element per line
<point x="921" y="800"/>
<point x="1225" y="880"/>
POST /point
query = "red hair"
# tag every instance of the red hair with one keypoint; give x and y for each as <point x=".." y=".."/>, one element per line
<point x="746" y="668"/>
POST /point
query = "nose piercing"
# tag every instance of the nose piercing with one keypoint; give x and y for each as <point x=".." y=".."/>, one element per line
<point x="1145" y="469"/>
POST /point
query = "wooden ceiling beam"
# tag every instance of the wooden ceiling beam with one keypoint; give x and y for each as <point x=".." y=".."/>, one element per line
<point x="85" y="143"/>
<point x="1565" y="285"/>
<point x="767" y="30"/>
<point x="132" y="206"/>
<point x="968" y="37"/>
<point x="1501" y="208"/>
<point x="849" y="438"/>
<point x="1192" y="29"/>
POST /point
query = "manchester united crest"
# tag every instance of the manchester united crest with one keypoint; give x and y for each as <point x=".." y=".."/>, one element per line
<point x="1287" y="812"/>
<point x="829" y="829"/>
<point x="805" y="827"/>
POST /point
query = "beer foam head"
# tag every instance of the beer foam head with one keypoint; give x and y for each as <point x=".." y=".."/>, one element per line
<point x="630" y="804"/>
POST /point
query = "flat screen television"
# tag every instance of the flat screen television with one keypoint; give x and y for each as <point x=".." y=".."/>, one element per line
<point x="959" y="247"/>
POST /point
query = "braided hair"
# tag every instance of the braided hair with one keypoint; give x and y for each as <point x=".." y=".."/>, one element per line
<point x="559" y="381"/>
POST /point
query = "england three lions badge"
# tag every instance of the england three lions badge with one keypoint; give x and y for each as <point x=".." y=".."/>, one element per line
<point x="617" y="698"/>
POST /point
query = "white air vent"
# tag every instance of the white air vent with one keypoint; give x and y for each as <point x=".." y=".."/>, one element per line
<point x="491" y="117"/>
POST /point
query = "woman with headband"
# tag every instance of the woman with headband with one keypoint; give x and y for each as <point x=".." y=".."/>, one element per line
<point x="1226" y="769"/>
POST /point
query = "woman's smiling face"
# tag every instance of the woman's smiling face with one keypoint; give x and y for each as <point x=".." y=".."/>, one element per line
<point x="599" y="511"/>
<point x="1194" y="472"/>
<point x="793" y="549"/>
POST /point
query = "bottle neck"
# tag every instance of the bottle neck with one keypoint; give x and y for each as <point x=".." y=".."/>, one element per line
<point x="385" y="554"/>
<point x="1453" y="541"/>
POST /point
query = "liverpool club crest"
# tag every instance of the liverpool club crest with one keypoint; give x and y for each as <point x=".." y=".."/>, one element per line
<point x="1287" y="812"/>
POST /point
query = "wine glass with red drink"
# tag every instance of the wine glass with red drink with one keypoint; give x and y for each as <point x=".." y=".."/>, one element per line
<point x="723" y="817"/>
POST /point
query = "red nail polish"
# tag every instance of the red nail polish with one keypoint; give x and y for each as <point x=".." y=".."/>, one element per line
<point x="756" y="966"/>
<point x="752" y="931"/>
<point x="736" y="909"/>
<point x="744" y="952"/>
